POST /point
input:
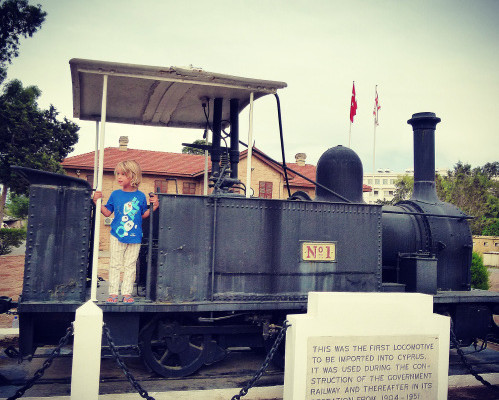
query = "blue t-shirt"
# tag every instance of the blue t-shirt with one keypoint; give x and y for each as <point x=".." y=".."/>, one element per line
<point x="128" y="208"/>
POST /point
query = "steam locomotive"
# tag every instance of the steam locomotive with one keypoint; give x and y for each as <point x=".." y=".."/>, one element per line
<point x="224" y="270"/>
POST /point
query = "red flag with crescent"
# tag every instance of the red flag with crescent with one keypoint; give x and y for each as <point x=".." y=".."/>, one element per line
<point x="376" y="107"/>
<point x="353" y="104"/>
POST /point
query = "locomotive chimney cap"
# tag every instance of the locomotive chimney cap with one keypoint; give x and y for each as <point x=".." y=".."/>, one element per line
<point x="424" y="120"/>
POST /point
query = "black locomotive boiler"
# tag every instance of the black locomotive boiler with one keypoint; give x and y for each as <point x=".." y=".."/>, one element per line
<point x="224" y="270"/>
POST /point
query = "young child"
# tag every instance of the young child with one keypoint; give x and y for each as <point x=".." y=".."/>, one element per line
<point x="130" y="207"/>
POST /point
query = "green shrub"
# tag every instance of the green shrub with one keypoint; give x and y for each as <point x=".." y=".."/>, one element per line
<point x="479" y="273"/>
<point x="10" y="238"/>
<point x="17" y="205"/>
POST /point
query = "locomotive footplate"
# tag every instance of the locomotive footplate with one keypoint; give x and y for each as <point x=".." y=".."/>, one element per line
<point x="473" y="296"/>
<point x="258" y="303"/>
<point x="142" y="306"/>
<point x="471" y="312"/>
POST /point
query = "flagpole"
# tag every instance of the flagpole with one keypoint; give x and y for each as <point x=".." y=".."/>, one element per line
<point x="375" y="114"/>
<point x="375" y="123"/>
<point x="350" y="135"/>
<point x="374" y="151"/>
<point x="353" y="111"/>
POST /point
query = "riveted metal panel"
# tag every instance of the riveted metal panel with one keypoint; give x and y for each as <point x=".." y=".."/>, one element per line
<point x="57" y="245"/>
<point x="184" y="248"/>
<point x="253" y="248"/>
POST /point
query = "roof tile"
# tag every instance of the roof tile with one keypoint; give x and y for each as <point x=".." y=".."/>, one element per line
<point x="151" y="162"/>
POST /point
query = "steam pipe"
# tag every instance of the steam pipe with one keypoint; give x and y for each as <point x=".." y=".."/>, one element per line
<point x="217" y="135"/>
<point x="234" y="137"/>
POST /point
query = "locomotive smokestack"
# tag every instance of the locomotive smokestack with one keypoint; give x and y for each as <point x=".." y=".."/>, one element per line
<point x="423" y="125"/>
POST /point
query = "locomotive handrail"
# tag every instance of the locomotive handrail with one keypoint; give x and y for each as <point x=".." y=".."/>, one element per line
<point x="428" y="214"/>
<point x="284" y="166"/>
<point x="149" y="251"/>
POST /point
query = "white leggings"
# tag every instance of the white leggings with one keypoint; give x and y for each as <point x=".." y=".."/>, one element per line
<point x="123" y="255"/>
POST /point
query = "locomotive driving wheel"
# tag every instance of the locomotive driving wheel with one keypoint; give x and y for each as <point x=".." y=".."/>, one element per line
<point x="171" y="352"/>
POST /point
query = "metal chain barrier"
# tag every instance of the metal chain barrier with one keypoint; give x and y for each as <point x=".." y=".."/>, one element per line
<point x="47" y="363"/>
<point x="268" y="359"/>
<point x="143" y="393"/>
<point x="468" y="366"/>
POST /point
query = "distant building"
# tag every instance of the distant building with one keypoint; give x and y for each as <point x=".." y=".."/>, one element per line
<point x="485" y="244"/>
<point x="11" y="222"/>
<point x="488" y="247"/>
<point x="383" y="183"/>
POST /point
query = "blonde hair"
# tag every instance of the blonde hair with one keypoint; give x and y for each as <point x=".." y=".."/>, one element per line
<point x="131" y="169"/>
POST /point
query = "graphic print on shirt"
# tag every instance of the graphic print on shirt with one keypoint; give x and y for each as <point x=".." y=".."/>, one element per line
<point x="130" y="210"/>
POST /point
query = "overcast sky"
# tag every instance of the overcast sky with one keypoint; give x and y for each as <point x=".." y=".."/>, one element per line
<point x="439" y="56"/>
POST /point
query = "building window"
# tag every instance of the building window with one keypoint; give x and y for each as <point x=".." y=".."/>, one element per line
<point x="376" y="181"/>
<point x="392" y="181"/>
<point x="485" y="244"/>
<point x="369" y="181"/>
<point x="265" y="190"/>
<point x="385" y="181"/>
<point x="375" y="192"/>
<point x="188" y="188"/>
<point x="496" y="244"/>
<point x="161" y="186"/>
<point x="90" y="179"/>
<point x="390" y="192"/>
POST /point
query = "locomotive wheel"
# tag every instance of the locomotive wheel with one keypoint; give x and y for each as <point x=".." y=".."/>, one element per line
<point x="171" y="354"/>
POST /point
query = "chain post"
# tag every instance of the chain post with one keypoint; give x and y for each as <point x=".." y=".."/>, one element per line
<point x="46" y="364"/>
<point x="136" y="385"/>
<point x="266" y="362"/>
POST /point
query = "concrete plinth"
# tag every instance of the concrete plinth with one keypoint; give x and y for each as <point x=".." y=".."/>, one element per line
<point x="363" y="346"/>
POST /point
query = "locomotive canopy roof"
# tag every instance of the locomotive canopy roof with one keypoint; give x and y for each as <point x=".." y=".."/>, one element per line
<point x="157" y="96"/>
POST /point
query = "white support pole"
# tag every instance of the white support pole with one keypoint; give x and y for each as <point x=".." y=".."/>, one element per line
<point x="96" y="155"/>
<point x="86" y="352"/>
<point x="95" y="262"/>
<point x="250" y="148"/>
<point x="206" y="153"/>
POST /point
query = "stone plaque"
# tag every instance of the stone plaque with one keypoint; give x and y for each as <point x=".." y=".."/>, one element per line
<point x="372" y="367"/>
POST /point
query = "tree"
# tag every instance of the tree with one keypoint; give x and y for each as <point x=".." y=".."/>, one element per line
<point x="10" y="238"/>
<point x="30" y="137"/>
<point x="403" y="188"/>
<point x="193" y="150"/>
<point x="479" y="273"/>
<point x="17" y="18"/>
<point x="492" y="228"/>
<point x="491" y="169"/>
<point x="474" y="192"/>
<point x="17" y="205"/>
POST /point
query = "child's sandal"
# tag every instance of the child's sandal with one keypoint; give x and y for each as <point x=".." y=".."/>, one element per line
<point x="128" y="299"/>
<point x="113" y="298"/>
